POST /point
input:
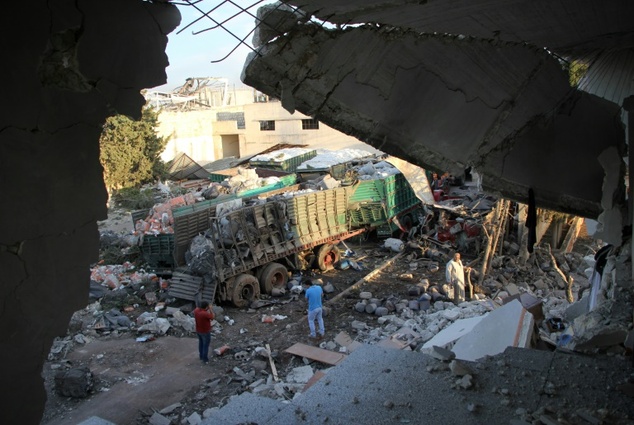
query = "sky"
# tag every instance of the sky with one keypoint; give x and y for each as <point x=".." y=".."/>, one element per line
<point x="191" y="55"/>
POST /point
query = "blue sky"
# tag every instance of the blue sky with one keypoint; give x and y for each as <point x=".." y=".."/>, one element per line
<point x="191" y="55"/>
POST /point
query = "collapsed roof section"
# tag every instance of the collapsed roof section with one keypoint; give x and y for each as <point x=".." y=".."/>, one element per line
<point x="493" y="98"/>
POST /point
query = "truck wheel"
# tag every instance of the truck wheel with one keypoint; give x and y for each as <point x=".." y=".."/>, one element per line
<point x="327" y="256"/>
<point x="246" y="289"/>
<point x="407" y="222"/>
<point x="274" y="275"/>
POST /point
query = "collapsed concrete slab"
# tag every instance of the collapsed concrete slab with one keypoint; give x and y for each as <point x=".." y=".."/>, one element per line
<point x="443" y="101"/>
<point x="385" y="386"/>
<point x="508" y="326"/>
<point x="452" y="333"/>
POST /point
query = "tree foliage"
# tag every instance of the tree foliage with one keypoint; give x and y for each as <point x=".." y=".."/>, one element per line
<point x="130" y="150"/>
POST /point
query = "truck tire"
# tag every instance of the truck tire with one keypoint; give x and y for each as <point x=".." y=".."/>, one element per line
<point x="274" y="275"/>
<point x="327" y="256"/>
<point x="246" y="289"/>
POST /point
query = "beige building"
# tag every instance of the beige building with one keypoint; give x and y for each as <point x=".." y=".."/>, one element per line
<point x="215" y="122"/>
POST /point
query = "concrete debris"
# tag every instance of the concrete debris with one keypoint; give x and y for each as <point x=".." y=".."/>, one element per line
<point x="508" y="326"/>
<point x="300" y="375"/>
<point x="75" y="382"/>
<point x="194" y="419"/>
<point x="466" y="382"/>
<point x="158" y="419"/>
<point x="169" y="409"/>
<point x="442" y="354"/>
<point x="459" y="368"/>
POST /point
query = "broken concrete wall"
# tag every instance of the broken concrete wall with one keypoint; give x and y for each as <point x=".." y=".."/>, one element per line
<point x="445" y="102"/>
<point x="69" y="65"/>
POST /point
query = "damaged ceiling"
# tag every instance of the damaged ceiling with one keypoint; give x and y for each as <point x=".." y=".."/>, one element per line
<point x="452" y="84"/>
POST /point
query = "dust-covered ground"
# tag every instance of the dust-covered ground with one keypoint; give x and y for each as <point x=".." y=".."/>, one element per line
<point x="133" y="379"/>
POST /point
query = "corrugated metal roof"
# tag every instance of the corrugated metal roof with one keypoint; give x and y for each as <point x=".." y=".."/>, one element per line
<point x="611" y="76"/>
<point x="182" y="167"/>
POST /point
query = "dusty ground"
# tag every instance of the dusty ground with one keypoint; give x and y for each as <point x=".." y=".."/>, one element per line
<point x="135" y="379"/>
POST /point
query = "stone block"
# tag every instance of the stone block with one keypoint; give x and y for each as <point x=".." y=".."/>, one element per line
<point x="510" y="325"/>
<point x="442" y="354"/>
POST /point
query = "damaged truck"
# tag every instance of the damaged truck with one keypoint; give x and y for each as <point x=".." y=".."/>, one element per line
<point x="250" y="250"/>
<point x="233" y="251"/>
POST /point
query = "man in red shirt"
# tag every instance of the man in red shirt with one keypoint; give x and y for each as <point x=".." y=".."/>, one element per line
<point x="203" y="316"/>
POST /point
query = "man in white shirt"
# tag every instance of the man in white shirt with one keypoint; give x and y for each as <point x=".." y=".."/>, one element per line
<point x="454" y="275"/>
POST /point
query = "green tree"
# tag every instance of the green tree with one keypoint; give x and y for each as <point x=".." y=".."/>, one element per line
<point x="130" y="150"/>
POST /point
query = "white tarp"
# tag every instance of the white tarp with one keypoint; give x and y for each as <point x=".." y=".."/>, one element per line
<point x="416" y="177"/>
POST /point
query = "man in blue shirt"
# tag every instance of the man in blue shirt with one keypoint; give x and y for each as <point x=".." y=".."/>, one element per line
<point x="314" y="295"/>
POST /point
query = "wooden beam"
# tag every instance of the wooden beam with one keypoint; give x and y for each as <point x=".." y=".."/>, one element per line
<point x="273" y="368"/>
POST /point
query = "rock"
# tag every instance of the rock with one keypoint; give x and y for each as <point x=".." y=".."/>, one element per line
<point x="442" y="354"/>
<point x="414" y="291"/>
<point x="424" y="305"/>
<point x="259" y="365"/>
<point x="169" y="409"/>
<point x="365" y="295"/>
<point x="451" y="314"/>
<point x="76" y="382"/>
<point x="329" y="288"/>
<point x="466" y="382"/>
<point x="194" y="419"/>
<point x="359" y="325"/>
<point x="360" y="307"/>
<point x="158" y="419"/>
<point x="540" y="284"/>
<point x="459" y="368"/>
<point x="381" y="311"/>
<point x="370" y="308"/>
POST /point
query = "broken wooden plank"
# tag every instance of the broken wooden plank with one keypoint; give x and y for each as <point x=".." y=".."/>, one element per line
<point x="316" y="353"/>
<point x="367" y="277"/>
<point x="273" y="368"/>
<point x="573" y="232"/>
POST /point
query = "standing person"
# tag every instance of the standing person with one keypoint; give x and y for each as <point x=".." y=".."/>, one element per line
<point x="203" y="316"/>
<point x="314" y="294"/>
<point x="454" y="275"/>
<point x="435" y="184"/>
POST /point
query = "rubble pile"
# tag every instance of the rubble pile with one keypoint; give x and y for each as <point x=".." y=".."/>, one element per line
<point x="551" y="300"/>
<point x="160" y="219"/>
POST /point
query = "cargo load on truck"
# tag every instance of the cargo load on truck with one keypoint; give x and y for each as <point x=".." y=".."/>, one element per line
<point x="251" y="249"/>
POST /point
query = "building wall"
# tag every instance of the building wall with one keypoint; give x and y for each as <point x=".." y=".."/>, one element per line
<point x="72" y="66"/>
<point x="200" y="135"/>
